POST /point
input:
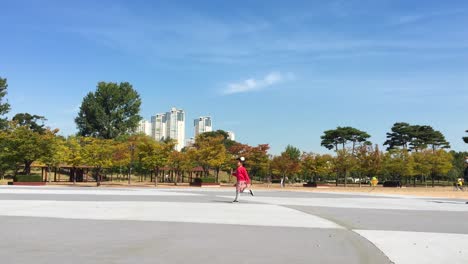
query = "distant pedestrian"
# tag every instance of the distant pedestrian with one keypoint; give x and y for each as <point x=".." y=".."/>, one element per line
<point x="243" y="179"/>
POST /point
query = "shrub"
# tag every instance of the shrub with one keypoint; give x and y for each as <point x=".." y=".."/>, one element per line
<point x="28" y="178"/>
<point x="392" y="184"/>
<point x="310" y="184"/>
<point x="197" y="180"/>
<point x="205" y="180"/>
<point x="209" y="180"/>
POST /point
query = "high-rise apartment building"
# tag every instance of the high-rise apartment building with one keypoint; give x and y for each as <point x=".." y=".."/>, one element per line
<point x="159" y="127"/>
<point x="170" y="125"/>
<point x="144" y="126"/>
<point x="202" y="124"/>
<point x="175" y="120"/>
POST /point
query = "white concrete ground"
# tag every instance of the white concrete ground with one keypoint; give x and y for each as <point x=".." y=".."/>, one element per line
<point x="309" y="227"/>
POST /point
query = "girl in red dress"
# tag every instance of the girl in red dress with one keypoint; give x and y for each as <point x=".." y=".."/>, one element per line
<point x="243" y="179"/>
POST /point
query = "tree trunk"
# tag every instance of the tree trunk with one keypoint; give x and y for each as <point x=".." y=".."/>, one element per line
<point x="27" y="167"/>
<point x="156" y="177"/>
<point x="98" y="178"/>
<point x="345" y="179"/>
<point x="48" y="174"/>
<point x="129" y="175"/>
<point x="217" y="175"/>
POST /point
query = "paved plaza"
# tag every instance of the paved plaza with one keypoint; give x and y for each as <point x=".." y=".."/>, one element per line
<point x="110" y="225"/>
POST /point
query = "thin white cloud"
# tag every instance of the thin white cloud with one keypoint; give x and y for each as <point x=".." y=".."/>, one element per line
<point x="415" y="18"/>
<point x="251" y="84"/>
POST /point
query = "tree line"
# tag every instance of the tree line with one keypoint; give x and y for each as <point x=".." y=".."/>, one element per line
<point x="106" y="142"/>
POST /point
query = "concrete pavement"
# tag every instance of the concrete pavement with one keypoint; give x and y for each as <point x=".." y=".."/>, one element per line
<point x="93" y="225"/>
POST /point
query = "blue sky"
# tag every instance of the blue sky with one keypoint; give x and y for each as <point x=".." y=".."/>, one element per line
<point x="277" y="72"/>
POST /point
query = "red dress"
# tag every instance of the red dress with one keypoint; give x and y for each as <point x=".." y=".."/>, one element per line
<point x="242" y="178"/>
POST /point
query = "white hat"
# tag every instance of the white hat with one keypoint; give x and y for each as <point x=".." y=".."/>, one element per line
<point x="241" y="159"/>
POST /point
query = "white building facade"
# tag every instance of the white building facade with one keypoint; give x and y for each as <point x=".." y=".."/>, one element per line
<point x="170" y="125"/>
<point x="144" y="127"/>
<point x="231" y="135"/>
<point x="175" y="127"/>
<point x="202" y="124"/>
<point x="159" y="127"/>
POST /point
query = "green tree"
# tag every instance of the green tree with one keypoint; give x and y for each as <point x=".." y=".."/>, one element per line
<point x="126" y="152"/>
<point x="4" y="106"/>
<point x="30" y="121"/>
<point x="421" y="164"/>
<point x="368" y="161"/>
<point x="257" y="160"/>
<point x="441" y="163"/>
<point x="175" y="161"/>
<point x="211" y="153"/>
<point x="98" y="153"/>
<point x="458" y="164"/>
<point x="154" y="155"/>
<point x="73" y="154"/>
<point x="7" y="161"/>
<point x="426" y="136"/>
<point x="54" y="153"/>
<point x="398" y="163"/>
<point x="344" y="163"/>
<point x="288" y="163"/>
<point x="26" y="145"/>
<point x="122" y="156"/>
<point x="415" y="137"/>
<point x="465" y="138"/>
<point x="316" y="165"/>
<point x="341" y="136"/>
<point x="401" y="136"/>
<point x="111" y="111"/>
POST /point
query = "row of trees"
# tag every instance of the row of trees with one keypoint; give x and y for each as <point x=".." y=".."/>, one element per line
<point x="367" y="161"/>
<point x="212" y="152"/>
<point x="106" y="140"/>
<point x="413" y="151"/>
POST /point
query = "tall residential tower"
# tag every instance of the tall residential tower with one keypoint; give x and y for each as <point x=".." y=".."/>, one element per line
<point x="202" y="125"/>
<point x="175" y="127"/>
<point x="144" y="127"/>
<point x="159" y="127"/>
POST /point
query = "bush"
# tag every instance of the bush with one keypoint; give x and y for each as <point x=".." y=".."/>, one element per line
<point x="197" y="180"/>
<point x="28" y="178"/>
<point x="310" y="184"/>
<point x="392" y="184"/>
<point x="204" y="180"/>
<point x="209" y="180"/>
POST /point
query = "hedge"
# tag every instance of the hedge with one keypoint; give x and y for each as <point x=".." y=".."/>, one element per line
<point x="392" y="184"/>
<point x="204" y="179"/>
<point x="28" y="178"/>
